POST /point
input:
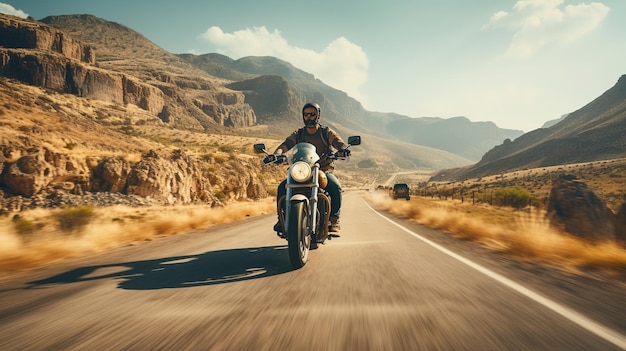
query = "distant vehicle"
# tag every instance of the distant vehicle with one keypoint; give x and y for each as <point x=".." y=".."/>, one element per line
<point x="400" y="191"/>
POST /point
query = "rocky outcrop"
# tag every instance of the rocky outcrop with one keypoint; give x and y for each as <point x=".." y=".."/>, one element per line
<point x="41" y="168"/>
<point x="64" y="75"/>
<point x="170" y="179"/>
<point x="145" y="96"/>
<point x="110" y="174"/>
<point x="43" y="178"/>
<point x="20" y="33"/>
<point x="37" y="54"/>
<point x="574" y="208"/>
<point x="173" y="178"/>
<point x="238" y="183"/>
<point x="269" y="95"/>
<point x="227" y="109"/>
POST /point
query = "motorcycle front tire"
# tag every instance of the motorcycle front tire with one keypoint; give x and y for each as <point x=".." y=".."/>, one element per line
<point x="298" y="237"/>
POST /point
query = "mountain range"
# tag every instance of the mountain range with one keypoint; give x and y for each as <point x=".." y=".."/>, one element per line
<point x="275" y="90"/>
<point x="595" y="132"/>
<point x="262" y="96"/>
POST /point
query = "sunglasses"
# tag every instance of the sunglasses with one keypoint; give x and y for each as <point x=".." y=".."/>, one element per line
<point x="307" y="114"/>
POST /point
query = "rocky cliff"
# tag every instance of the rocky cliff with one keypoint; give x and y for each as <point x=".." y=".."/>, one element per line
<point x="38" y="54"/>
<point x="71" y="131"/>
<point x="18" y="33"/>
<point x="42" y="177"/>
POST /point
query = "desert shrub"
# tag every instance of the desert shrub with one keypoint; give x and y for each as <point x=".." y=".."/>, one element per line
<point x="220" y="195"/>
<point x="226" y="148"/>
<point x="25" y="227"/>
<point x="272" y="191"/>
<point x="219" y="158"/>
<point x="70" y="146"/>
<point x="515" y="197"/>
<point x="74" y="218"/>
<point x="129" y="130"/>
<point x="368" y="163"/>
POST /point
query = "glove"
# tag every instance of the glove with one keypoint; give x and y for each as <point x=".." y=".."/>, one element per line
<point x="269" y="159"/>
<point x="343" y="153"/>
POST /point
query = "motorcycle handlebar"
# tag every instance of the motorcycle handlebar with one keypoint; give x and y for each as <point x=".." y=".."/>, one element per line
<point x="279" y="159"/>
<point x="275" y="159"/>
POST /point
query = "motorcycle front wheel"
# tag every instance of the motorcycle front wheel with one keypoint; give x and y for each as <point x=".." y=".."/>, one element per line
<point x="298" y="237"/>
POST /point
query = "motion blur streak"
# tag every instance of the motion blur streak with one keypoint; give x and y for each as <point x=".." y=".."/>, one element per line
<point x="575" y="317"/>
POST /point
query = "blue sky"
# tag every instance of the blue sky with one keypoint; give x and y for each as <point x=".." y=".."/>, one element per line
<point x="518" y="63"/>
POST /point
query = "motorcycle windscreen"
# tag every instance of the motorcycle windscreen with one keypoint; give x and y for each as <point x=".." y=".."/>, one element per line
<point x="303" y="152"/>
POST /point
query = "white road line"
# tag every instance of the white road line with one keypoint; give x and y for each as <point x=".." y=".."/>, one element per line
<point x="605" y="333"/>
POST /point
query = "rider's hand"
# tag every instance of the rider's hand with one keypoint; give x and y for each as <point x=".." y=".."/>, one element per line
<point x="269" y="159"/>
<point x="343" y="153"/>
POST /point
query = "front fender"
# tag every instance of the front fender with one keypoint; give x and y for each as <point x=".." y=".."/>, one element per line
<point x="299" y="198"/>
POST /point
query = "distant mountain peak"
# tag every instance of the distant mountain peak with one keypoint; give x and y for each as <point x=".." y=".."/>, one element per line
<point x="592" y="133"/>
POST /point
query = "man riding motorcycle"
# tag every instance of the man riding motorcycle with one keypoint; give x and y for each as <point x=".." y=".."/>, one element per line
<point x="325" y="141"/>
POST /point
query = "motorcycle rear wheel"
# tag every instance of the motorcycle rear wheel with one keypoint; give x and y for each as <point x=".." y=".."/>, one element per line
<point x="298" y="237"/>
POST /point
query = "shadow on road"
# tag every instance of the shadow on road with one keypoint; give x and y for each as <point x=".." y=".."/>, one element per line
<point x="209" y="268"/>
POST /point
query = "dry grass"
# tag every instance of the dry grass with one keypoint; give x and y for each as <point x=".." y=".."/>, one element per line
<point x="522" y="234"/>
<point x="110" y="227"/>
<point x="81" y="127"/>
<point x="606" y="178"/>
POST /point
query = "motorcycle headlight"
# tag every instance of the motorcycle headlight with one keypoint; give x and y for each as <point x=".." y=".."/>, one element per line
<point x="300" y="171"/>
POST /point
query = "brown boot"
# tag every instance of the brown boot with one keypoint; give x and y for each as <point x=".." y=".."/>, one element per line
<point x="334" y="227"/>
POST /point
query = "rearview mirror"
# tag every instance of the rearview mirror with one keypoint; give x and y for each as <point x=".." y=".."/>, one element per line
<point x="354" y="140"/>
<point x="259" y="148"/>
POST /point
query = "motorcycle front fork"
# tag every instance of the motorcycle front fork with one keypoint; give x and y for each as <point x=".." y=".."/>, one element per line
<point x="323" y="204"/>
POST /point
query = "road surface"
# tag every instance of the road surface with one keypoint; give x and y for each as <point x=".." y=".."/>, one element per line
<point x="386" y="284"/>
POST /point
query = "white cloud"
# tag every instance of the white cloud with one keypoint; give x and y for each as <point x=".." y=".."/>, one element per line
<point x="540" y="23"/>
<point x="10" y="10"/>
<point x="342" y="64"/>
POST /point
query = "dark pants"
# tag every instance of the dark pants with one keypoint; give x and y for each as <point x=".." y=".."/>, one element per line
<point x="333" y="188"/>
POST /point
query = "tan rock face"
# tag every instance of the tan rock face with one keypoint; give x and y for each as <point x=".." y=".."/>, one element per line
<point x="19" y="33"/>
<point x="39" y="169"/>
<point x="173" y="178"/>
<point x="145" y="96"/>
<point x="64" y="75"/>
<point x="111" y="174"/>
<point x="227" y="110"/>
<point x="92" y="83"/>
<point x="40" y="55"/>
<point x="165" y="177"/>
<point x="28" y="175"/>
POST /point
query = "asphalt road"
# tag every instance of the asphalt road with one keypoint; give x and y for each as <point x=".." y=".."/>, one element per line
<point x="386" y="284"/>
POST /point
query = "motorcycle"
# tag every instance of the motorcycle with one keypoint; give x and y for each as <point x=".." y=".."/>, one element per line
<point x="306" y="214"/>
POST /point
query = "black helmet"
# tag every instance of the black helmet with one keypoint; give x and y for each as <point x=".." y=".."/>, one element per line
<point x="311" y="123"/>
